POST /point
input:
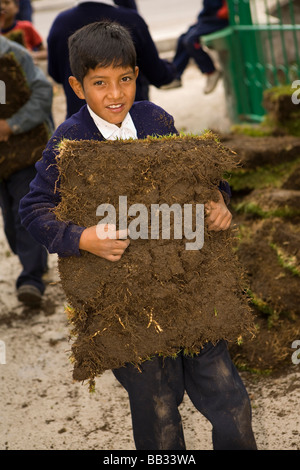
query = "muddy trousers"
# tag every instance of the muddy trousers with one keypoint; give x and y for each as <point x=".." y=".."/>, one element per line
<point x="214" y="387"/>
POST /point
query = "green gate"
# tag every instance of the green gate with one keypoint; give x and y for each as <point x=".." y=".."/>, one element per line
<point x="259" y="50"/>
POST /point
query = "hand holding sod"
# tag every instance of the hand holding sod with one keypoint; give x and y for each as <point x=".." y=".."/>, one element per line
<point x="111" y="247"/>
<point x="218" y="216"/>
<point x="5" y="130"/>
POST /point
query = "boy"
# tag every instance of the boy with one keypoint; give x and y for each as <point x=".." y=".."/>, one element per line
<point x="103" y="62"/>
<point x="30" y="37"/>
<point x="153" y="70"/>
<point x="37" y="109"/>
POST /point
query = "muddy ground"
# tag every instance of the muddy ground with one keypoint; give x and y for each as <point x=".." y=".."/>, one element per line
<point x="43" y="408"/>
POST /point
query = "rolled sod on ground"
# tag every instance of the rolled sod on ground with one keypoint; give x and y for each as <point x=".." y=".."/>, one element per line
<point x="21" y="150"/>
<point x="160" y="298"/>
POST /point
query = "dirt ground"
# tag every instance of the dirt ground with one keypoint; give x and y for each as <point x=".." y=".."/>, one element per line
<point x="43" y="408"/>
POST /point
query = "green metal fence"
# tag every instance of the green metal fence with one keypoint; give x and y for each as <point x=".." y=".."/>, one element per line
<point x="259" y="50"/>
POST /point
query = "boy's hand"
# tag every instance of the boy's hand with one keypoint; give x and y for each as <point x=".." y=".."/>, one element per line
<point x="108" y="248"/>
<point x="5" y="131"/>
<point x="218" y="216"/>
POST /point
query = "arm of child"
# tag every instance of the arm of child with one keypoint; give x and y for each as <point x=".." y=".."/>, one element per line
<point x="218" y="215"/>
<point x="5" y="130"/>
<point x="37" y="211"/>
<point x="40" y="53"/>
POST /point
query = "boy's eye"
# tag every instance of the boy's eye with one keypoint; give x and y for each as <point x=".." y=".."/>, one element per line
<point x="99" y="82"/>
<point x="126" y="79"/>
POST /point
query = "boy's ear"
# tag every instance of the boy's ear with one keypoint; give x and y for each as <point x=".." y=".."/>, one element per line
<point x="1" y="17"/>
<point x="76" y="87"/>
<point x="136" y="72"/>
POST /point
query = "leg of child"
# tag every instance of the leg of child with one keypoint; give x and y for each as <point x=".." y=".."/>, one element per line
<point x="194" y="49"/>
<point x="32" y="255"/>
<point x="154" y="395"/>
<point x="181" y="58"/>
<point x="217" y="391"/>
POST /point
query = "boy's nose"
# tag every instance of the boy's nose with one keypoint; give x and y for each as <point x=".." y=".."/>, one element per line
<point x="115" y="90"/>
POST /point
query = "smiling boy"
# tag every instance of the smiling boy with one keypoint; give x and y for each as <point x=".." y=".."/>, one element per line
<point x="103" y="61"/>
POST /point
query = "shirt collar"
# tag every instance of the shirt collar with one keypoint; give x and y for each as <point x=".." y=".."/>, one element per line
<point x="108" y="2"/>
<point x="113" y="132"/>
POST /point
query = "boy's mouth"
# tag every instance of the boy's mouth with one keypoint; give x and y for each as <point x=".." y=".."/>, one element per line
<point x="115" y="106"/>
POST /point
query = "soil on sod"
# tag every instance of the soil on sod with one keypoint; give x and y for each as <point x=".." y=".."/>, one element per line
<point x="159" y="298"/>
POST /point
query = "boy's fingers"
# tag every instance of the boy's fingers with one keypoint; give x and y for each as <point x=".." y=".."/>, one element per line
<point x="122" y="234"/>
<point x="109" y="231"/>
<point x="120" y="245"/>
<point x="221" y="222"/>
<point x="114" y="258"/>
<point x="106" y="231"/>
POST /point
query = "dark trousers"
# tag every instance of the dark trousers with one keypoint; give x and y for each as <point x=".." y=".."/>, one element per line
<point x="32" y="255"/>
<point x="188" y="46"/>
<point x="214" y="387"/>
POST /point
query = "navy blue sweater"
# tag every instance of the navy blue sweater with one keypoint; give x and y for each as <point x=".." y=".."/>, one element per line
<point x="156" y="71"/>
<point x="36" y="208"/>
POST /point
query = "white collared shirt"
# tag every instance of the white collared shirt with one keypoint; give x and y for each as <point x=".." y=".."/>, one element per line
<point x="109" y="2"/>
<point x="113" y="132"/>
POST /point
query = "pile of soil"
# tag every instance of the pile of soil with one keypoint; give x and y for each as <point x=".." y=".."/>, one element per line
<point x="256" y="152"/>
<point x="159" y="298"/>
<point x="283" y="115"/>
<point x="265" y="204"/>
<point x="21" y="150"/>
<point x="270" y="253"/>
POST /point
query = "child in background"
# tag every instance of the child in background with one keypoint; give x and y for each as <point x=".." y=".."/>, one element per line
<point x="32" y="255"/>
<point x="103" y="63"/>
<point x="212" y="17"/>
<point x="31" y="39"/>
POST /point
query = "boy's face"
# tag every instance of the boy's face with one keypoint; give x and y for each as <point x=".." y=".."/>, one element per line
<point x="109" y="91"/>
<point x="10" y="9"/>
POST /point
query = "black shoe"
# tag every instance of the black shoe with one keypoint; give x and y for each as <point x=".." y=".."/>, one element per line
<point x="29" y="295"/>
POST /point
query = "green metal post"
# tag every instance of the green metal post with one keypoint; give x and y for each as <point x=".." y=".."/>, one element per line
<point x="251" y="56"/>
<point x="254" y="54"/>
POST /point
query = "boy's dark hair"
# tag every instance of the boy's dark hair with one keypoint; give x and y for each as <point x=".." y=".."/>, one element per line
<point x="100" y="44"/>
